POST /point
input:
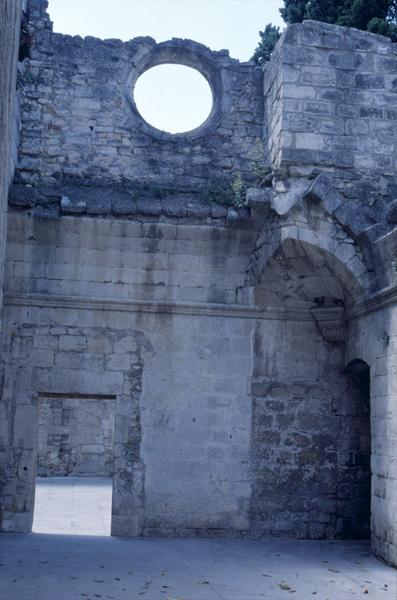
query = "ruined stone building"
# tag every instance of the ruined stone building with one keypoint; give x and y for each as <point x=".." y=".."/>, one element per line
<point x="246" y="355"/>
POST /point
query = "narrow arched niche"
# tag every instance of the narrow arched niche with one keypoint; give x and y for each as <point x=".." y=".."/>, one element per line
<point x="355" y="475"/>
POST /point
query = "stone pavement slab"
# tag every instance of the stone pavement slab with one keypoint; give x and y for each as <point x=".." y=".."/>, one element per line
<point x="63" y="567"/>
<point x="73" y="505"/>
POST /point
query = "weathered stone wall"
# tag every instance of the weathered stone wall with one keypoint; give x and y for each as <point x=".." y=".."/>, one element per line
<point x="76" y="435"/>
<point x="127" y="260"/>
<point x="195" y="410"/>
<point x="331" y="106"/>
<point x="10" y="18"/>
<point x="310" y="438"/>
<point x="80" y="121"/>
<point x="83" y="357"/>
<point x="373" y="338"/>
<point x="176" y="287"/>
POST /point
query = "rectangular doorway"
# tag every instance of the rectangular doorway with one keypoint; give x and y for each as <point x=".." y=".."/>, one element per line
<point x="75" y="464"/>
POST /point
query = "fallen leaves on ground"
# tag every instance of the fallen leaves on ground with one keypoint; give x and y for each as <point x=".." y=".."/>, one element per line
<point x="287" y="588"/>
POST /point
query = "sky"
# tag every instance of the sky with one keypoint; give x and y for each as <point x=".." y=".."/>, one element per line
<point x="171" y="99"/>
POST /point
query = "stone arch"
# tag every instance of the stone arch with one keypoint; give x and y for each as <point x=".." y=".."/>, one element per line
<point x="305" y="273"/>
<point x="346" y="255"/>
<point x="305" y="450"/>
<point x="322" y="236"/>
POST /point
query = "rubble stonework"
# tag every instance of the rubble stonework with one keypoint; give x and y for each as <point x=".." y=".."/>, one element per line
<point x="76" y="436"/>
<point x="249" y="346"/>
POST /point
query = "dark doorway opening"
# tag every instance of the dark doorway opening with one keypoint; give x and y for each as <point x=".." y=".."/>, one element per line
<point x="354" y="481"/>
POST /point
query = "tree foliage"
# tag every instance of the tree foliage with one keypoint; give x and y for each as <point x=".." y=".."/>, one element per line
<point x="377" y="16"/>
<point x="268" y="39"/>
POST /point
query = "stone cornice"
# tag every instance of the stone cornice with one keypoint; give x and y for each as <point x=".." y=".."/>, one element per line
<point x="375" y="302"/>
<point x="240" y="311"/>
<point x="385" y="297"/>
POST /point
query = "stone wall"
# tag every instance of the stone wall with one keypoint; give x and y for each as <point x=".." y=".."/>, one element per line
<point x="372" y="337"/>
<point x="310" y="439"/>
<point x="128" y="261"/>
<point x="80" y="121"/>
<point x="10" y="18"/>
<point x="174" y="286"/>
<point x="331" y="106"/>
<point x="76" y="435"/>
<point x="93" y="359"/>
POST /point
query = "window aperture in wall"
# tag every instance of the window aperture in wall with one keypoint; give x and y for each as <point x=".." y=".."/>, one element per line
<point x="173" y="98"/>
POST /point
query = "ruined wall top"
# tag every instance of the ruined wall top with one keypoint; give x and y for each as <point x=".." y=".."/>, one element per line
<point x="81" y="121"/>
<point x="326" y="103"/>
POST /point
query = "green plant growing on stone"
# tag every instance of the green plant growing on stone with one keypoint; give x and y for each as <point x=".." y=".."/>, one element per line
<point x="218" y="192"/>
<point x="239" y="190"/>
<point x="261" y="172"/>
<point x="268" y="39"/>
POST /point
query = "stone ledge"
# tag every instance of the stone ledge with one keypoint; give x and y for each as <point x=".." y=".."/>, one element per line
<point x="22" y="196"/>
<point x="378" y="301"/>
<point x="375" y="302"/>
<point x="110" y="202"/>
<point x="204" y="309"/>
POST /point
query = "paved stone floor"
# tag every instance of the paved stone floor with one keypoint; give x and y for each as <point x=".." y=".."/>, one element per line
<point x="74" y="505"/>
<point x="60" y="566"/>
<point x="63" y="567"/>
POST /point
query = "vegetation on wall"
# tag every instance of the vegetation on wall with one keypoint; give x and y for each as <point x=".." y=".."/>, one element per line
<point x="376" y="16"/>
<point x="268" y="39"/>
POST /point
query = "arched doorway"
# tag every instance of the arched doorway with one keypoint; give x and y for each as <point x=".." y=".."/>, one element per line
<point x="355" y="474"/>
<point x="310" y="429"/>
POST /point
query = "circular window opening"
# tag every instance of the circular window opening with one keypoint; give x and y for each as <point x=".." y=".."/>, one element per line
<point x="173" y="98"/>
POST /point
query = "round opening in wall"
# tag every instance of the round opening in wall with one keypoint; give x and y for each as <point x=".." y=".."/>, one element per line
<point x="173" y="98"/>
